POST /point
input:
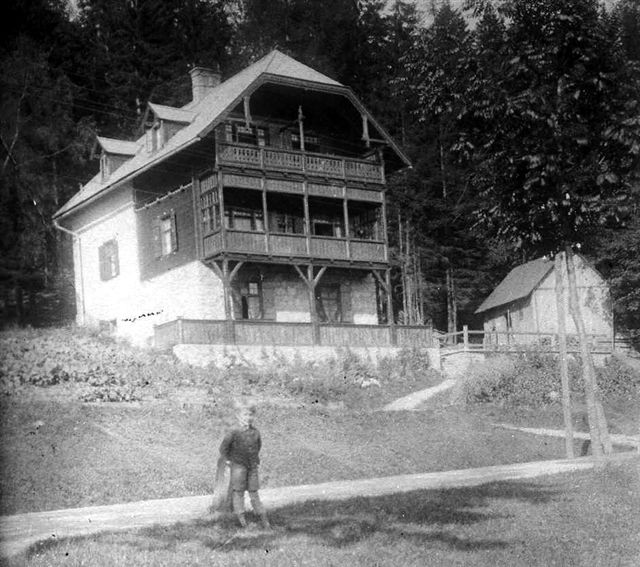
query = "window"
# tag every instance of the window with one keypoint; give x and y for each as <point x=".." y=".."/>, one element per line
<point x="251" y="300"/>
<point x="289" y="223"/>
<point x="239" y="218"/>
<point x="322" y="227"/>
<point x="311" y="143"/>
<point x="154" y="137"/>
<point x="364" y="224"/>
<point x="108" y="256"/>
<point x="328" y="303"/>
<point x="209" y="204"/>
<point x="242" y="134"/>
<point x="165" y="237"/>
<point x="104" y="166"/>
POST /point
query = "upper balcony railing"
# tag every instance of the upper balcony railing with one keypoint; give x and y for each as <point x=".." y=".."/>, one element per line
<point x="301" y="162"/>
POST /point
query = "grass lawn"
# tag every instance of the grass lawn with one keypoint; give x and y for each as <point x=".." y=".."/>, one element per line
<point x="589" y="519"/>
<point x="57" y="455"/>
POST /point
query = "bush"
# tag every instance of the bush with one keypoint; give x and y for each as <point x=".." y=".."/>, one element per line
<point x="618" y="378"/>
<point x="533" y="379"/>
<point x="490" y="381"/>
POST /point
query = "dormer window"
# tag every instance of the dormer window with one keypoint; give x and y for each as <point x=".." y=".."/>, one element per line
<point x="155" y="137"/>
<point x="104" y="166"/>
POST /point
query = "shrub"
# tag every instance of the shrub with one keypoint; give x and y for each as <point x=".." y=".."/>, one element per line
<point x="618" y="378"/>
<point x="489" y="381"/>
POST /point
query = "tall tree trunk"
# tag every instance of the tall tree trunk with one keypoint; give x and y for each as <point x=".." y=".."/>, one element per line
<point x="600" y="441"/>
<point x="562" y="354"/>
<point x="452" y="319"/>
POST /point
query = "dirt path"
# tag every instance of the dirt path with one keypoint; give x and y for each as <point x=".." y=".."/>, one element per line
<point x="412" y="401"/>
<point x="19" y="532"/>
<point x="616" y="439"/>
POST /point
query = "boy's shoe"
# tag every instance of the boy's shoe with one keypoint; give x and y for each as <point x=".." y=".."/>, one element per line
<point x="242" y="521"/>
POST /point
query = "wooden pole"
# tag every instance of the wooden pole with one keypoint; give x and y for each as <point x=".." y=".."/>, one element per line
<point x="600" y="441"/>
<point x="562" y="355"/>
<point x="393" y="332"/>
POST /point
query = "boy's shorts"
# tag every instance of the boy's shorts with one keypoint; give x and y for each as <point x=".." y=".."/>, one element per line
<point x="243" y="478"/>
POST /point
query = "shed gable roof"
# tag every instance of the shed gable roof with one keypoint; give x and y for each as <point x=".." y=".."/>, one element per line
<point x="210" y="110"/>
<point x="518" y="284"/>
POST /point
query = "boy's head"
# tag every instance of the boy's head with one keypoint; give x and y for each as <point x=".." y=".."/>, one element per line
<point x="246" y="415"/>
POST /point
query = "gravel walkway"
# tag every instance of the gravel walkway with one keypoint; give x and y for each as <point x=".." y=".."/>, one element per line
<point x="19" y="532"/>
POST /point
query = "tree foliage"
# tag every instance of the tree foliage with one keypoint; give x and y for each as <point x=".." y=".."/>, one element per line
<point x="554" y="126"/>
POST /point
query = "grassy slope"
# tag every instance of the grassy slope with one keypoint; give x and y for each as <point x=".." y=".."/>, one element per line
<point x="86" y="454"/>
<point x="583" y="519"/>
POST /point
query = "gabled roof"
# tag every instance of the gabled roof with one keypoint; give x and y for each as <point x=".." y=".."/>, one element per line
<point x="171" y="113"/>
<point x="210" y="110"/>
<point x="120" y="147"/>
<point x="518" y="284"/>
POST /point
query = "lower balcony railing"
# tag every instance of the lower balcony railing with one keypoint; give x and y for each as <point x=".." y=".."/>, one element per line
<point x="298" y="245"/>
<point x="272" y="333"/>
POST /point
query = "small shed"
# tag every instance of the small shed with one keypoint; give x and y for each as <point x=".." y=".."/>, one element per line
<point x="525" y="302"/>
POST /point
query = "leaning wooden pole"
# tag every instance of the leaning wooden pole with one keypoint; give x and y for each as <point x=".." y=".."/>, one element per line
<point x="562" y="354"/>
<point x="600" y="441"/>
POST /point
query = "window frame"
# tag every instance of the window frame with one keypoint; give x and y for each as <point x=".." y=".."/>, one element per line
<point x="246" y="294"/>
<point x="165" y="224"/>
<point x="109" y="260"/>
<point x="321" y="307"/>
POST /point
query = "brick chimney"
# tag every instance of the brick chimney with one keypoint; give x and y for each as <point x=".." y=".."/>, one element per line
<point x="203" y="80"/>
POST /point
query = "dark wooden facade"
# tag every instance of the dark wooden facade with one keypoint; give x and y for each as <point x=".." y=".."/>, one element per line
<point x="266" y="192"/>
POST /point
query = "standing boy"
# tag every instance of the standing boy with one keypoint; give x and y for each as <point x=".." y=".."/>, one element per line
<point x="241" y="449"/>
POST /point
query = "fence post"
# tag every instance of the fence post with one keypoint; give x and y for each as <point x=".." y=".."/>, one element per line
<point x="465" y="336"/>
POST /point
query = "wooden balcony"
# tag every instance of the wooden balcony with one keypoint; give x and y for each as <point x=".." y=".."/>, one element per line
<point x="295" y="246"/>
<point x="312" y="164"/>
<point x="271" y="333"/>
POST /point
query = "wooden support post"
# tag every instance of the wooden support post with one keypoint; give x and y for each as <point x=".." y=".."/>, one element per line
<point x="307" y="220"/>
<point x="226" y="277"/>
<point x="365" y="130"/>
<point x="384" y="226"/>
<point x="223" y="228"/>
<point x="301" y="128"/>
<point x="247" y="110"/>
<point x="465" y="337"/>
<point x="347" y="235"/>
<point x="230" y="337"/>
<point x="311" y="283"/>
<point x="265" y="218"/>
<point x="393" y="332"/>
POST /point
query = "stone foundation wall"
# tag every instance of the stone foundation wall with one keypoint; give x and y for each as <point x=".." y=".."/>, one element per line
<point x="224" y="356"/>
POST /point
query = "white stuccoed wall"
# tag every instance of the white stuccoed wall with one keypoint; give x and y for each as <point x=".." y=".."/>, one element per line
<point x="189" y="291"/>
<point x="118" y="297"/>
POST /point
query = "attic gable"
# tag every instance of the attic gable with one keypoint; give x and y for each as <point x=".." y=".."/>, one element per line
<point x="197" y="119"/>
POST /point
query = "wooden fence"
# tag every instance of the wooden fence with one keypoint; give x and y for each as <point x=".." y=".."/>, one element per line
<point x="508" y="341"/>
<point x="272" y="333"/>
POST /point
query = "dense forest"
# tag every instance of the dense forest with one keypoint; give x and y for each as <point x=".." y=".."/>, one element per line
<point x="521" y="118"/>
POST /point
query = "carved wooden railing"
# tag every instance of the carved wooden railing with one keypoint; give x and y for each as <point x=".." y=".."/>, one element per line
<point x="272" y="333"/>
<point x="303" y="162"/>
<point x="295" y="245"/>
